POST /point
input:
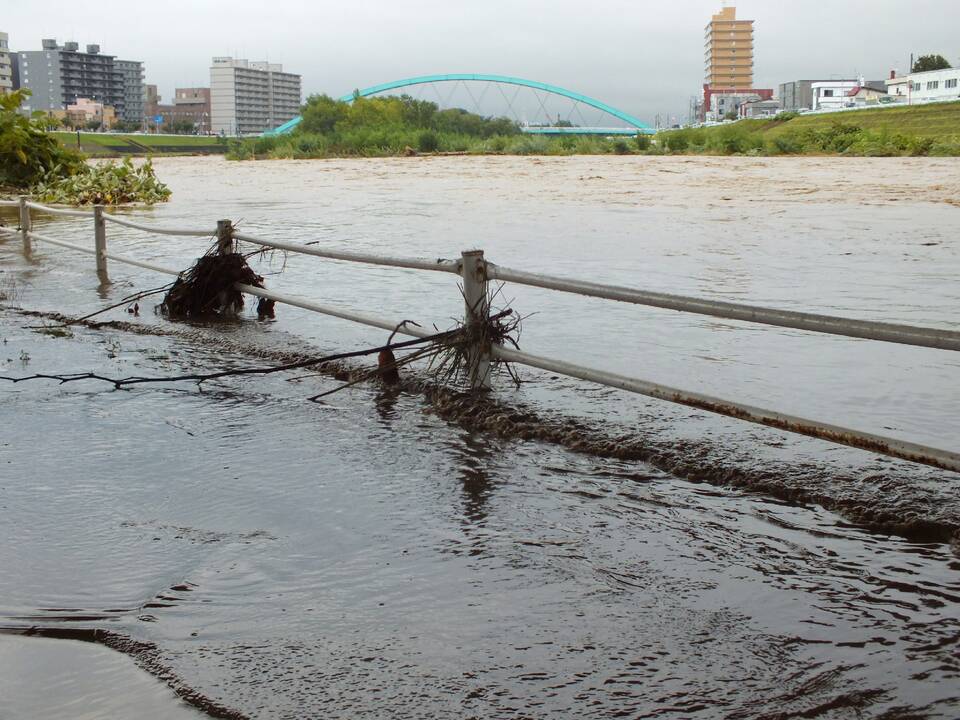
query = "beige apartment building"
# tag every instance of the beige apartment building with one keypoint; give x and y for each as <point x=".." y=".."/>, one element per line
<point x="729" y="51"/>
<point x="247" y="98"/>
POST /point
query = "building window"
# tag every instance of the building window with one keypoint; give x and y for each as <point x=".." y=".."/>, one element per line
<point x="916" y="86"/>
<point x="950" y="83"/>
<point x="933" y="85"/>
<point x="828" y="93"/>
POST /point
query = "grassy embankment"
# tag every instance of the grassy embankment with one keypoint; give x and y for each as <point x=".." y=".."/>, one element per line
<point x="876" y="132"/>
<point x="110" y="145"/>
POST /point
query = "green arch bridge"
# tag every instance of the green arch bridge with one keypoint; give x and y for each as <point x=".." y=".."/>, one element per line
<point x="634" y="125"/>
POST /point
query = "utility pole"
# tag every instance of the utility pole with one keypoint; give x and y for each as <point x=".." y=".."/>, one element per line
<point x="910" y="82"/>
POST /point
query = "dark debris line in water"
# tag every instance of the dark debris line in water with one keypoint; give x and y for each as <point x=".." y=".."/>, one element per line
<point x="887" y="503"/>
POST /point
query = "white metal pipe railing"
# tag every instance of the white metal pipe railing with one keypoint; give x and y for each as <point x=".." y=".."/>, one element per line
<point x="61" y="243"/>
<point x="450" y="266"/>
<point x="937" y="457"/>
<point x="848" y="327"/>
<point x="59" y="211"/>
<point x="159" y="230"/>
<point x="140" y="263"/>
<point x="925" y="337"/>
<point x="343" y="313"/>
<point x="9" y="203"/>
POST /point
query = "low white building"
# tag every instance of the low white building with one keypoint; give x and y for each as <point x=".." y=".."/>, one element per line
<point x="724" y="104"/>
<point x="898" y="88"/>
<point x="247" y="98"/>
<point x="934" y="86"/>
<point x="756" y="109"/>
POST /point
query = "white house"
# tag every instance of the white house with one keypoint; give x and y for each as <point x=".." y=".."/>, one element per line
<point x="898" y="88"/>
<point x="934" y="86"/>
<point x="831" y="94"/>
<point x="867" y="96"/>
<point x="836" y="94"/>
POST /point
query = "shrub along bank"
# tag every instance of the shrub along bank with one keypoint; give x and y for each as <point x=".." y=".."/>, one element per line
<point x="381" y="127"/>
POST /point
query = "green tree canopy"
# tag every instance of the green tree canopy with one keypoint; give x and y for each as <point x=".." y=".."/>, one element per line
<point x="323" y="115"/>
<point x="931" y="62"/>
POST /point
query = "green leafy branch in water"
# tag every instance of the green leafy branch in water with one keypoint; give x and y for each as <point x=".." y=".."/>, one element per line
<point x="103" y="184"/>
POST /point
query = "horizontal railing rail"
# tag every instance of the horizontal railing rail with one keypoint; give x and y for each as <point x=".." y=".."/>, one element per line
<point x="848" y="327"/>
<point x="159" y="230"/>
<point x="342" y="313"/>
<point x="61" y="243"/>
<point x="892" y="447"/>
<point x="440" y="265"/>
<point x="60" y="211"/>
<point x="476" y="273"/>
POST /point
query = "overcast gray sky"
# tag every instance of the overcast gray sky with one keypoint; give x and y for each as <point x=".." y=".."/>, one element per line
<point x="641" y="57"/>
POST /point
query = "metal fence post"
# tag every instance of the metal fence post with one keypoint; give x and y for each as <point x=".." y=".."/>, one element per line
<point x="224" y="236"/>
<point x="100" y="239"/>
<point x="476" y="311"/>
<point x="25" y="225"/>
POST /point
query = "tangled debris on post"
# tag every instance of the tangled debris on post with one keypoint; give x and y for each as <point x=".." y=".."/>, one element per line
<point x="208" y="289"/>
<point x="453" y="362"/>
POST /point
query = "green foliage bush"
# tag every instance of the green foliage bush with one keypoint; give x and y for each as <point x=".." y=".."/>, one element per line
<point x="946" y="148"/>
<point x="103" y="184"/>
<point x="735" y="140"/>
<point x="837" y="138"/>
<point x="28" y="152"/>
<point x="428" y="141"/>
<point x="786" y="144"/>
<point x="643" y="142"/>
<point x="677" y="141"/>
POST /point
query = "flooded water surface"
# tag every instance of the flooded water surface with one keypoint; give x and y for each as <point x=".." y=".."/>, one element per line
<point x="380" y="556"/>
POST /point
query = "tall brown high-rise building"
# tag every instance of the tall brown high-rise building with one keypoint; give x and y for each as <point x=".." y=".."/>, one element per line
<point x="729" y="51"/>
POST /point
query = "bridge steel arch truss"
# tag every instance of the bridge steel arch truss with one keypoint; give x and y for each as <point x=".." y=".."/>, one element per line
<point x="636" y="125"/>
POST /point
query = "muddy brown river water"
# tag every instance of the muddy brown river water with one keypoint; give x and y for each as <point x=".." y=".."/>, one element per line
<point x="376" y="556"/>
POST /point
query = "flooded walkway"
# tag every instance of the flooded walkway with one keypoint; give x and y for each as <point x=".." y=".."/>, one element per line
<point x="368" y="558"/>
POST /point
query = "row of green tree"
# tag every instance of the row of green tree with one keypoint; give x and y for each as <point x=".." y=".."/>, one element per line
<point x="176" y="127"/>
<point x="324" y="115"/>
<point x="376" y="127"/>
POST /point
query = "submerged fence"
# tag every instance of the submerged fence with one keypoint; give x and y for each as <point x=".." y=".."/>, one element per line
<point x="476" y="272"/>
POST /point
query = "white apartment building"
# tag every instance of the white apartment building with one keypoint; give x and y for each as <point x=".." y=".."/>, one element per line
<point x="832" y="94"/>
<point x="248" y="98"/>
<point x="934" y="86"/>
<point x="6" y="66"/>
